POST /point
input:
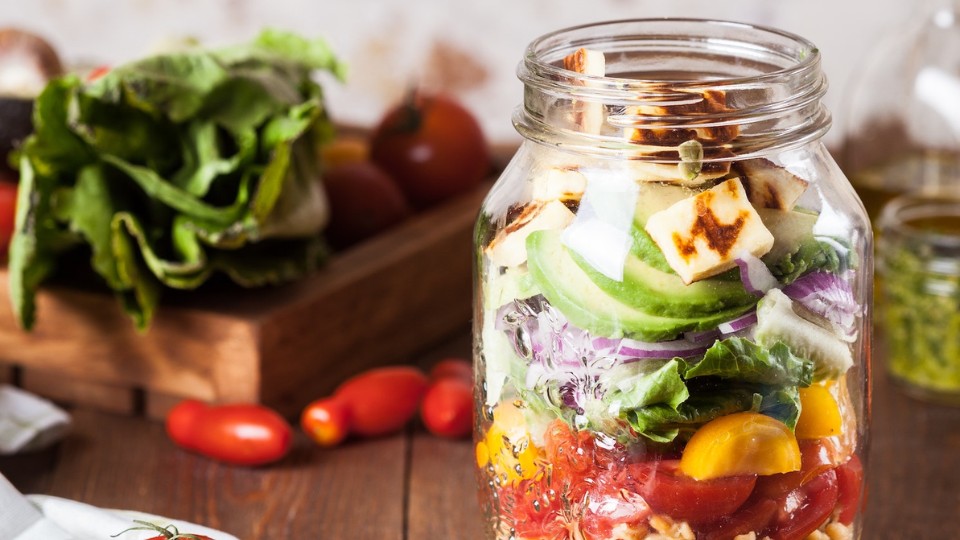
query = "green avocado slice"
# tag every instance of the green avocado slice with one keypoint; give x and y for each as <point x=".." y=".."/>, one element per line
<point x="568" y="288"/>
<point x="646" y="288"/>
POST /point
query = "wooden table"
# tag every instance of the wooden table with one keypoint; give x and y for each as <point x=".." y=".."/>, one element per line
<point x="415" y="486"/>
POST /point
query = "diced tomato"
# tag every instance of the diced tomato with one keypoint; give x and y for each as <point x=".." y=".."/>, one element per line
<point x="804" y="509"/>
<point x="815" y="458"/>
<point x="672" y="493"/>
<point x="611" y="506"/>
<point x="850" y="484"/>
<point x="533" y="509"/>
<point x="754" y="516"/>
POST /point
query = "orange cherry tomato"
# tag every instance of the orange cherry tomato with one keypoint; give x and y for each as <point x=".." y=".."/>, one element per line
<point x="326" y="421"/>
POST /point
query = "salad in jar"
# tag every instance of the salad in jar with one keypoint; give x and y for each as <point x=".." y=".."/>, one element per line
<point x="664" y="349"/>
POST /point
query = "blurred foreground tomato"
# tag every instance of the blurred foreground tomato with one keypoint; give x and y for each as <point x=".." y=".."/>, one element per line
<point x="447" y="409"/>
<point x="433" y="147"/>
<point x="169" y="532"/>
<point x="363" y="202"/>
<point x="8" y="211"/>
<point x="240" y="434"/>
<point x="382" y="400"/>
<point x="457" y="368"/>
<point x="326" y="421"/>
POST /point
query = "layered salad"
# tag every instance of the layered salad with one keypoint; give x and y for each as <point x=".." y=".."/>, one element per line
<point x="663" y="351"/>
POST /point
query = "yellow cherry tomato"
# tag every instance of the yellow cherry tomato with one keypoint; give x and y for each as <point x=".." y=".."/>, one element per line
<point x="819" y="413"/>
<point x="507" y="446"/>
<point x="739" y="444"/>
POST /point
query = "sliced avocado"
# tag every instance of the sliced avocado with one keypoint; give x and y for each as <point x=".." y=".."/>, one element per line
<point x="568" y="288"/>
<point x="654" y="291"/>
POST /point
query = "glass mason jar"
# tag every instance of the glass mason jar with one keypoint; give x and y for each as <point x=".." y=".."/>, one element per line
<point x="673" y="290"/>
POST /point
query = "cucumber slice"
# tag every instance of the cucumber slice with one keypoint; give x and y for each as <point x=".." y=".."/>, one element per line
<point x="777" y="321"/>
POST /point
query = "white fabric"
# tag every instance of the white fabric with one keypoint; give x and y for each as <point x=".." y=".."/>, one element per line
<point x="28" y="422"/>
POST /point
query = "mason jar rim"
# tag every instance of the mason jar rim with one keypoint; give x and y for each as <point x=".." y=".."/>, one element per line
<point x="784" y="65"/>
<point x="811" y="60"/>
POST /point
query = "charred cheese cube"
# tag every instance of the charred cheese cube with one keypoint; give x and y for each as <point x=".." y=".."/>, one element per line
<point x="588" y="114"/>
<point x="509" y="247"/>
<point x="701" y="236"/>
<point x="769" y="185"/>
<point x="564" y="184"/>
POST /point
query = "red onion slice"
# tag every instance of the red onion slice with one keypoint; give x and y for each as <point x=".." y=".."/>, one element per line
<point x="740" y="323"/>
<point x="631" y="349"/>
<point x="755" y="275"/>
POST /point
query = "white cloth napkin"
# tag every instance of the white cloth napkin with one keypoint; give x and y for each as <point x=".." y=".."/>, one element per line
<point x="28" y="422"/>
<point x="41" y="517"/>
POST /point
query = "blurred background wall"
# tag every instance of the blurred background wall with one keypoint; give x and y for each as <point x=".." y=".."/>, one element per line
<point x="469" y="47"/>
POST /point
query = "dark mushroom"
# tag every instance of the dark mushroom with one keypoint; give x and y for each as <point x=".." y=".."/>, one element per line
<point x="27" y="62"/>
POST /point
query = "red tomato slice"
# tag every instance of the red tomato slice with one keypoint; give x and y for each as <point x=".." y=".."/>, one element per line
<point x="804" y="509"/>
<point x="609" y="507"/>
<point x="533" y="510"/>
<point x="815" y="457"/>
<point x="850" y="484"/>
<point x="753" y="516"/>
<point x="670" y="492"/>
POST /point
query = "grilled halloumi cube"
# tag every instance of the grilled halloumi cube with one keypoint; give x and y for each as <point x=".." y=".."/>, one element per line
<point x="701" y="236"/>
<point x="706" y="103"/>
<point x="769" y="185"/>
<point x="588" y="114"/>
<point x="563" y="183"/>
<point x="509" y="246"/>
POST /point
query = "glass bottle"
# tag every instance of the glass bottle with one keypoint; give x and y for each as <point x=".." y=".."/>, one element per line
<point x="902" y="110"/>
<point x="672" y="296"/>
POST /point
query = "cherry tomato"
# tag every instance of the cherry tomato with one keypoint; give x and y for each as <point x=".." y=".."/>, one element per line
<point x="815" y="458"/>
<point x="326" y="421"/>
<point x="433" y="147"/>
<point x="363" y="202"/>
<point x="343" y="150"/>
<point x="382" y="400"/>
<point x="697" y="501"/>
<point x="8" y="212"/>
<point x="166" y="533"/>
<point x="804" y="509"/>
<point x="850" y="484"/>
<point x="457" y="368"/>
<point x="447" y="409"/>
<point x="240" y="434"/>
<point x="754" y="516"/>
<point x="533" y="509"/>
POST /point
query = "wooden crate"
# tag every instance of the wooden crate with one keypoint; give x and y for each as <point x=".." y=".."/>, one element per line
<point x="378" y="303"/>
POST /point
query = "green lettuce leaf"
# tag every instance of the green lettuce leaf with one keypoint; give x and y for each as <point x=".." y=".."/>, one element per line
<point x="743" y="360"/>
<point x="173" y="168"/>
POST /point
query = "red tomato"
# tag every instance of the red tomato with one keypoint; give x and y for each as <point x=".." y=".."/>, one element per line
<point x="97" y="73"/>
<point x="326" y="421"/>
<point x="804" y="509"/>
<point x="447" y="408"/>
<point x="534" y="510"/>
<point x="240" y="434"/>
<point x="433" y="147"/>
<point x="363" y="202"/>
<point x="382" y="400"/>
<point x="457" y="368"/>
<point x="609" y="507"/>
<point x="754" y="516"/>
<point x="815" y="458"/>
<point x="8" y="212"/>
<point x="697" y="501"/>
<point x="850" y="484"/>
<point x="166" y="533"/>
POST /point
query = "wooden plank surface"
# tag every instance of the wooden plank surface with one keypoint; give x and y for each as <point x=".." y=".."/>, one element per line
<point x="442" y="490"/>
<point x="103" y="397"/>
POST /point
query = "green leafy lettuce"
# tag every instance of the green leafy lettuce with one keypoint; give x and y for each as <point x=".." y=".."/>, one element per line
<point x="175" y="167"/>
<point x="734" y="375"/>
